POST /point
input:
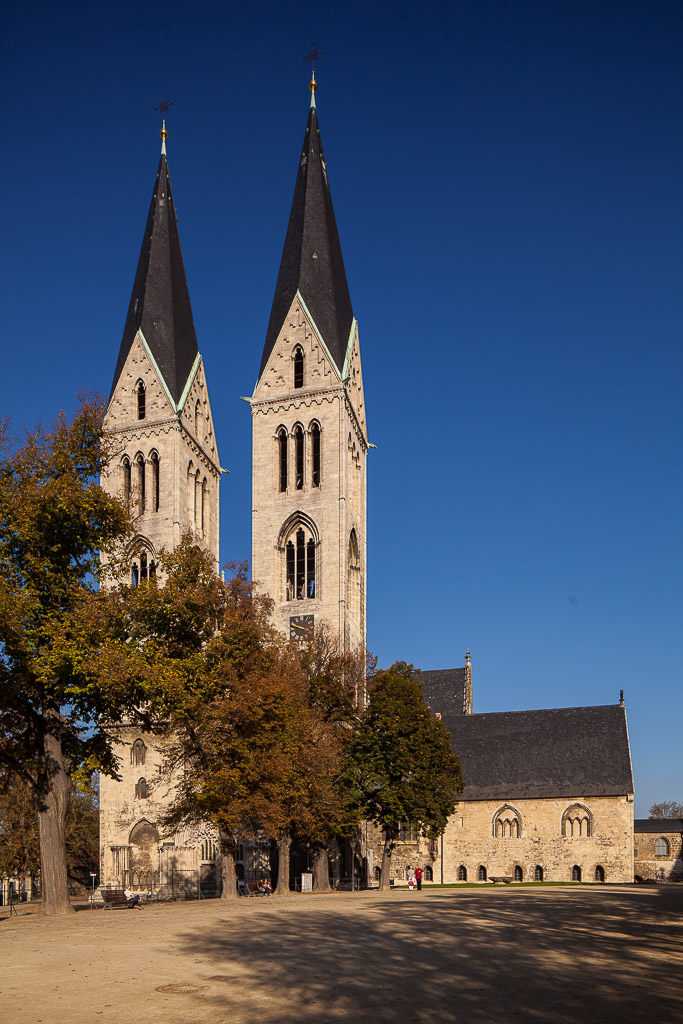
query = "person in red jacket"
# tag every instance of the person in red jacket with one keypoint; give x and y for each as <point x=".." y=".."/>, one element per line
<point x="418" y="878"/>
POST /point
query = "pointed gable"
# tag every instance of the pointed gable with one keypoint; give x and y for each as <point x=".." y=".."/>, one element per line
<point x="312" y="260"/>
<point x="160" y="303"/>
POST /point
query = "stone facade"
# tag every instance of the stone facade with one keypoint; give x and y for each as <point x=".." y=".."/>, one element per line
<point x="165" y="461"/>
<point x="309" y="483"/>
<point x="515" y="840"/>
<point x="658" y="849"/>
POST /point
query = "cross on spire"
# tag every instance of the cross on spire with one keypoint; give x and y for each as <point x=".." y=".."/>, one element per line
<point x="313" y="55"/>
<point x="162" y="108"/>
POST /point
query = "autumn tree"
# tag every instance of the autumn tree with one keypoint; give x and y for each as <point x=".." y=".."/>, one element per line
<point x="666" y="809"/>
<point x="54" y="520"/>
<point x="401" y="759"/>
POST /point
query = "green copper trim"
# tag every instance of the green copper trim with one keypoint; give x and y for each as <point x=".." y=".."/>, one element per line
<point x="190" y="381"/>
<point x="156" y="369"/>
<point x="349" y="349"/>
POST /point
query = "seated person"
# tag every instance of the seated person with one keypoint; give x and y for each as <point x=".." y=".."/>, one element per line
<point x="132" y="897"/>
<point x="267" y="887"/>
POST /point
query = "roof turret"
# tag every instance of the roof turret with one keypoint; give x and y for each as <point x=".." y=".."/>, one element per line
<point x="160" y="303"/>
<point x="312" y="259"/>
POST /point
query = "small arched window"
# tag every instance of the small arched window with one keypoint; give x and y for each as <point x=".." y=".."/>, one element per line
<point x="662" y="847"/>
<point x="577" y="822"/>
<point x="298" y="367"/>
<point x="576" y="873"/>
<point x="282" y="441"/>
<point x="481" y="873"/>
<point x="538" y="873"/>
<point x="154" y="461"/>
<point x="462" y="873"/>
<point x="315" y="455"/>
<point x="126" y="480"/>
<point x="518" y="874"/>
<point x="299" y="457"/>
<point x="143" y="565"/>
<point x="141" y="789"/>
<point x="140" y="392"/>
<point x="599" y="873"/>
<point x="138" y="753"/>
<point x="429" y="874"/>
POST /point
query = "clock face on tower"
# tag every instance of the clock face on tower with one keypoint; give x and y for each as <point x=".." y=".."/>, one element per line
<point x="299" y="626"/>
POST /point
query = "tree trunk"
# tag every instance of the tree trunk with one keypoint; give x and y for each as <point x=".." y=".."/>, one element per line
<point x="385" y="870"/>
<point x="284" y="843"/>
<point x="228" y="873"/>
<point x="52" y="804"/>
<point x="321" y="869"/>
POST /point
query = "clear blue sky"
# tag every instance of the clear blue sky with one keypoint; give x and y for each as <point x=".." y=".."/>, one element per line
<point x="507" y="184"/>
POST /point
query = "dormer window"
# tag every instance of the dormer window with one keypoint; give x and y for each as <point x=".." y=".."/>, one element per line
<point x="140" y="391"/>
<point x="298" y="367"/>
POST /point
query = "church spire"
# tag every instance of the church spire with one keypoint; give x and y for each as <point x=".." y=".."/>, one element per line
<point x="312" y="261"/>
<point x="160" y="303"/>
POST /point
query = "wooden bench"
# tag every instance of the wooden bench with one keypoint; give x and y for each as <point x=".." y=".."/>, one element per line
<point x="501" y="878"/>
<point x="114" y="898"/>
<point x="249" y="889"/>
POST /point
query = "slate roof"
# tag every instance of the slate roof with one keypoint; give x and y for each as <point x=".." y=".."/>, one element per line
<point x="160" y="303"/>
<point x="561" y="752"/>
<point x="312" y="258"/>
<point x="659" y="825"/>
<point x="444" y="690"/>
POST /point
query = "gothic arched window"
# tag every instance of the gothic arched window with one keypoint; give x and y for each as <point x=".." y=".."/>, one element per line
<point x="315" y="454"/>
<point x="141" y="789"/>
<point x="282" y="441"/>
<point x="354" y="581"/>
<point x="599" y="873"/>
<point x="507" y="823"/>
<point x="154" y="461"/>
<point x="298" y="367"/>
<point x="138" y="752"/>
<point x="662" y="847"/>
<point x="462" y="873"/>
<point x="140" y="482"/>
<point x="298" y="457"/>
<point x="538" y="873"/>
<point x="126" y="480"/>
<point x="140" y="392"/>
<point x="481" y="873"/>
<point x="518" y="874"/>
<point x="205" y="510"/>
<point x="300" y="550"/>
<point x="197" y="499"/>
<point x="429" y="874"/>
<point x="577" y="822"/>
<point x="191" y="494"/>
<point x="576" y="873"/>
<point x="143" y="565"/>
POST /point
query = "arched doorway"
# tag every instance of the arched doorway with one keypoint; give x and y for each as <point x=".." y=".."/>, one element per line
<point x="144" y="860"/>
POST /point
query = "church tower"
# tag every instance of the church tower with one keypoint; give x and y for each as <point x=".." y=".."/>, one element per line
<point x="309" y="431"/>
<point x="159" y="416"/>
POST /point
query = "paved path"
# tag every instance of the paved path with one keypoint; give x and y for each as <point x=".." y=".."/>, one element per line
<point x="590" y="955"/>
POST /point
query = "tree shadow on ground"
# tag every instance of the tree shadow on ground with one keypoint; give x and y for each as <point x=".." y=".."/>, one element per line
<point x="570" y="956"/>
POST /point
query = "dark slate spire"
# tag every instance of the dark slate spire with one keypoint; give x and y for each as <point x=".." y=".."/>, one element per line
<point x="160" y="303"/>
<point x="312" y="257"/>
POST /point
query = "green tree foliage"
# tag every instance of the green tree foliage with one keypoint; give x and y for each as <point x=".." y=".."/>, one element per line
<point x="667" y="809"/>
<point x="402" y="762"/>
<point x="54" y="520"/>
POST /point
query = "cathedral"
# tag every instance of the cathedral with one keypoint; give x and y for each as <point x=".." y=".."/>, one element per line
<point x="549" y="794"/>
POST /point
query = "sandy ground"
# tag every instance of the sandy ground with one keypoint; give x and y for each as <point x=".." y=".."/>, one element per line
<point x="593" y="955"/>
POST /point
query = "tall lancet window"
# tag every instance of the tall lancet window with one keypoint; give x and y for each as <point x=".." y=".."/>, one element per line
<point x="140" y="392"/>
<point x="197" y="499"/>
<point x="282" y="459"/>
<point x="126" y="480"/>
<point x="315" y="454"/>
<point x="354" y="583"/>
<point x="140" y="482"/>
<point x="143" y="566"/>
<point x="154" y="461"/>
<point x="205" y="507"/>
<point x="298" y="367"/>
<point x="299" y="457"/>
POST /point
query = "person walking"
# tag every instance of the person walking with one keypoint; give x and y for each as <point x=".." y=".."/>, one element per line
<point x="418" y="878"/>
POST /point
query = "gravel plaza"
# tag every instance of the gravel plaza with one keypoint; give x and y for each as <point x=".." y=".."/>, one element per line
<point x="594" y="955"/>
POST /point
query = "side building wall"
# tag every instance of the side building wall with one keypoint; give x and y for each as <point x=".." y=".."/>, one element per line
<point x="661" y="867"/>
<point x="529" y="834"/>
